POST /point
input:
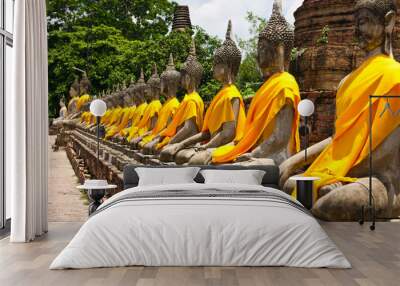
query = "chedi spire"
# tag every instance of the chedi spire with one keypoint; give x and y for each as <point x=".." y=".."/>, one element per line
<point x="278" y="29"/>
<point x="181" y="20"/>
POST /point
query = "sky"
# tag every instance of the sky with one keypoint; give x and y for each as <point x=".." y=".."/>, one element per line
<point x="213" y="15"/>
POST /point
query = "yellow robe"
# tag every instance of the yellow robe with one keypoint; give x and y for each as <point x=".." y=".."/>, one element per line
<point x="166" y="113"/>
<point x="136" y="117"/>
<point x="152" y="109"/>
<point x="86" y="118"/>
<point x="125" y="117"/>
<point x="82" y="101"/>
<point x="191" y="106"/>
<point x="279" y="90"/>
<point x="71" y="102"/>
<point x="114" y="118"/>
<point x="379" y="75"/>
<point x="221" y="111"/>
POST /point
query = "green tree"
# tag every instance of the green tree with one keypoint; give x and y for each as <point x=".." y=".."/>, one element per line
<point x="110" y="58"/>
<point x="136" y="19"/>
<point x="249" y="78"/>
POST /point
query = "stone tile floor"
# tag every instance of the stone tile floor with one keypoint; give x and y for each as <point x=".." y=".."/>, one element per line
<point x="65" y="202"/>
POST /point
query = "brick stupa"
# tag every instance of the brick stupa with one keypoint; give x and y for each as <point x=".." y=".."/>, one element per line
<point x="321" y="66"/>
<point x="181" y="19"/>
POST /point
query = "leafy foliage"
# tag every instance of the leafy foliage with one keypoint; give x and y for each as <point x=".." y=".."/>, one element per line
<point x="102" y="38"/>
<point x="324" y="38"/>
<point x="249" y="78"/>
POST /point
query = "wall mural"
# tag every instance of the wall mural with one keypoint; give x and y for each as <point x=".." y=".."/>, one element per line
<point x="145" y="123"/>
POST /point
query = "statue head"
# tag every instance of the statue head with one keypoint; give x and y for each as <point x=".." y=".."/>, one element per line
<point x="140" y="88"/>
<point x="191" y="71"/>
<point x="74" y="88"/>
<point x="375" y="21"/>
<point x="275" y="43"/>
<point x="170" y="79"/>
<point x="227" y="59"/>
<point x="153" y="84"/>
<point x="84" y="84"/>
<point x="130" y="91"/>
<point x="61" y="103"/>
<point x="121" y="99"/>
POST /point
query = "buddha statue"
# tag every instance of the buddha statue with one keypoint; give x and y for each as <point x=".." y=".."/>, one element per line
<point x="84" y="88"/>
<point x="169" y="84"/>
<point x="341" y="162"/>
<point x="139" y="91"/>
<point x="63" y="113"/>
<point x="74" y="96"/>
<point x="271" y="129"/>
<point x="188" y="119"/>
<point x="150" y="115"/>
<point x="225" y="118"/>
<point x="121" y="112"/>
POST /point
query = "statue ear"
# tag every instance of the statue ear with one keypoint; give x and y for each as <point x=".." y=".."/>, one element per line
<point x="229" y="74"/>
<point x="282" y="56"/>
<point x="390" y="22"/>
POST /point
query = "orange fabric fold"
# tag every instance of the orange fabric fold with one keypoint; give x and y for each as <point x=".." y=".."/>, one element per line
<point x="192" y="106"/>
<point x="166" y="113"/>
<point x="221" y="111"/>
<point x="279" y="90"/>
<point x="380" y="76"/>
<point x="152" y="109"/>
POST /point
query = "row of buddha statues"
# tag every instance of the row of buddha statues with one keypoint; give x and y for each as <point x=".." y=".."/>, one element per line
<point x="267" y="132"/>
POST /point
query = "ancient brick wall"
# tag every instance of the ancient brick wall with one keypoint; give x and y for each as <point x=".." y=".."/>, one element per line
<point x="321" y="66"/>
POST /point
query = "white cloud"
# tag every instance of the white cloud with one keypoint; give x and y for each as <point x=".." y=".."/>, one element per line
<point x="213" y="15"/>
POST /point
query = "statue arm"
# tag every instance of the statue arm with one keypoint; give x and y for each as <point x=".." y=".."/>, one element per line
<point x="280" y="137"/>
<point x="228" y="131"/>
<point x="153" y="121"/>
<point x="188" y="129"/>
<point x="193" y="140"/>
<point x="294" y="163"/>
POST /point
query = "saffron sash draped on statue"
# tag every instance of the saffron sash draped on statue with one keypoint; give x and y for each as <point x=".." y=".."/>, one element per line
<point x="82" y="101"/>
<point x="126" y="115"/>
<point x="136" y="117"/>
<point x="115" y="115"/>
<point x="279" y="90"/>
<point x="221" y="111"/>
<point x="379" y="75"/>
<point x="192" y="106"/>
<point x="166" y="113"/>
<point x="72" y="101"/>
<point x="152" y="109"/>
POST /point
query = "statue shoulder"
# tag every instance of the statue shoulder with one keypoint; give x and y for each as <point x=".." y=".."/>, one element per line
<point x="343" y="81"/>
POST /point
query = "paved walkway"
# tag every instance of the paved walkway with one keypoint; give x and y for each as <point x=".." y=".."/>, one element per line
<point x="65" y="203"/>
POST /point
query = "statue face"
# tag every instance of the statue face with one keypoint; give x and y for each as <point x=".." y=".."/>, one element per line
<point x="271" y="57"/>
<point x="127" y="99"/>
<point x="83" y="89"/>
<point x="164" y="88"/>
<point x="148" y="93"/>
<point x="186" y="82"/>
<point x="169" y="88"/>
<point x="370" y="30"/>
<point x="221" y="73"/>
<point x="73" y="92"/>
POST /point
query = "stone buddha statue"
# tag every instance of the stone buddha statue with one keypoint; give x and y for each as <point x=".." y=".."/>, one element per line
<point x="188" y="119"/>
<point x="225" y="118"/>
<point x="84" y="88"/>
<point x="74" y="96"/>
<point x="139" y="91"/>
<point x="169" y="84"/>
<point x="63" y="113"/>
<point x="341" y="162"/>
<point x="271" y="129"/>
<point x="150" y="115"/>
